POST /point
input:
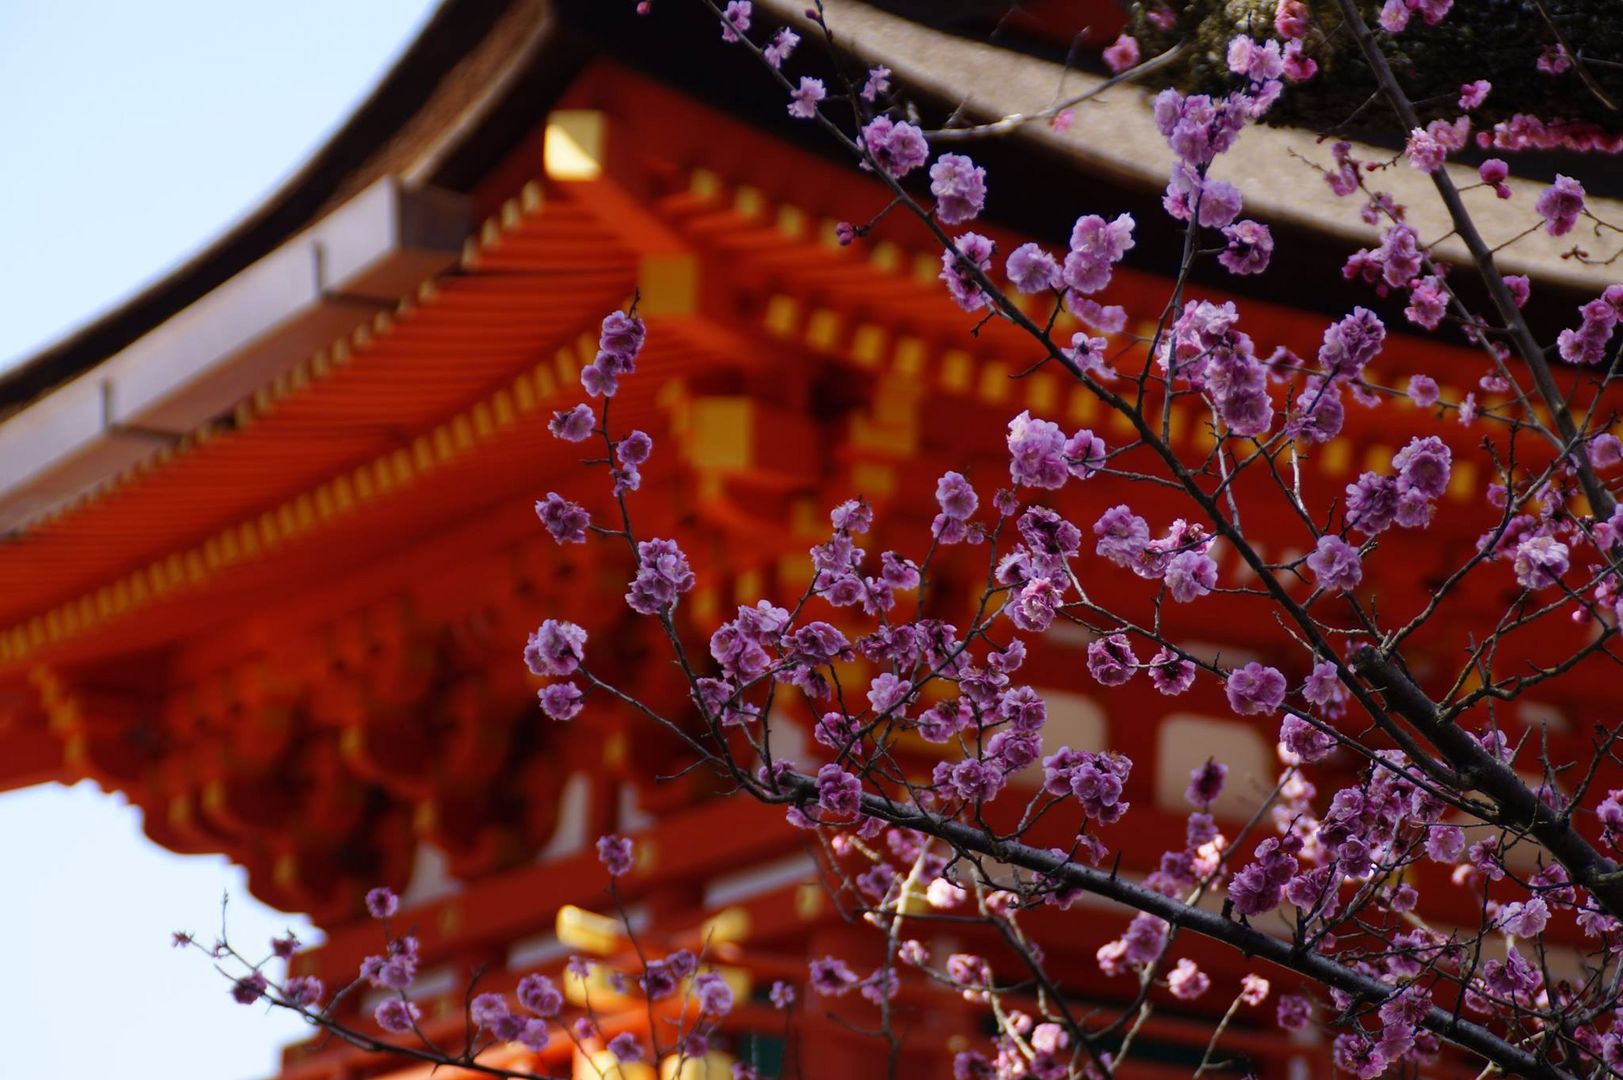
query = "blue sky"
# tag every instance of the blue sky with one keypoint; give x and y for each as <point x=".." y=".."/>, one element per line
<point x="133" y="133"/>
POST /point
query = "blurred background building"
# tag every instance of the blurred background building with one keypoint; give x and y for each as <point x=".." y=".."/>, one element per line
<point x="269" y="559"/>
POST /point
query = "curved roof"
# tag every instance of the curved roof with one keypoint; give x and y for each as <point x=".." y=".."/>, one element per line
<point x="425" y="112"/>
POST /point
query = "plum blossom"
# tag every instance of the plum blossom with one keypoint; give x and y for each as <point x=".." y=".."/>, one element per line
<point x="735" y="20"/>
<point x="804" y="99"/>
<point x="896" y="146"/>
<point x="573" y="425"/>
<point x="1190" y="575"/>
<point x="1473" y="94"/>
<point x="831" y="977"/>
<point x="1560" y="205"/>
<point x="614" y="852"/>
<point x="968" y="250"/>
<point x="1037" y="452"/>
<point x="397" y="1017"/>
<point x="1540" y="561"/>
<point x="877" y="83"/>
<point x="565" y="521"/>
<point x="781" y="47"/>
<point x="1111" y="661"/>
<point x="1423" y="391"/>
<point x="560" y="701"/>
<point x="838" y="792"/>
<point x="1186" y="981"/>
<point x="1170" y="673"/>
<point x="555" y="649"/>
<point x="1335" y="564"/>
<point x="1121" y="54"/>
<point x="381" y="903"/>
<point x="959" y="187"/>
<point x="1255" y="689"/>
<point x="1250" y="245"/>
<point x="663" y="574"/>
<point x="1033" y="270"/>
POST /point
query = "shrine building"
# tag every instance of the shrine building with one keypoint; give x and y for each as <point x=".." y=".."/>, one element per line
<point x="269" y="555"/>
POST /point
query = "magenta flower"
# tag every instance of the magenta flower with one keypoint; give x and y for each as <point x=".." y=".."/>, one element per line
<point x="1032" y="270"/>
<point x="396" y="1016"/>
<point x="877" y="84"/>
<point x="970" y="251"/>
<point x="556" y="648"/>
<point x="625" y="1048"/>
<point x="956" y="497"/>
<point x="1423" y="391"/>
<point x="663" y="574"/>
<point x="1423" y="465"/>
<point x="1187" y="982"/>
<point x="1206" y="783"/>
<point x="1190" y="575"/>
<point x="896" y="146"/>
<point x="714" y="995"/>
<point x="1036" y="452"/>
<point x="804" y="98"/>
<point x="565" y="521"/>
<point x="382" y="902"/>
<point x="573" y="425"/>
<point x="249" y="989"/>
<point x="839" y="793"/>
<point x="1335" y="564"/>
<point x="1170" y="673"/>
<point x="781" y="48"/>
<point x="1560" y="205"/>
<point x="538" y="994"/>
<point x="614" y="852"/>
<point x="1540" y="561"/>
<point x="1111" y="661"/>
<point x="1255" y="689"/>
<point x="830" y="977"/>
<point x="488" y="1011"/>
<point x="1121" y="54"/>
<point x="560" y="701"/>
<point x="304" y="991"/>
<point x="1250" y="246"/>
<point x="959" y="187"/>
<point x="735" y="20"/>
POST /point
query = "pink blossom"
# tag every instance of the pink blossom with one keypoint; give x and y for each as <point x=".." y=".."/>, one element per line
<point x="1255" y="689"/>
<point x="1560" y="205"/>
<point x="1473" y="94"/>
<point x="735" y="20"/>
<point x="1298" y="66"/>
<point x="877" y="84"/>
<point x="1250" y="245"/>
<point x="1335" y="564"/>
<point x="959" y="187"/>
<point x="1540" y="561"/>
<point x="1121" y="54"/>
<point x="614" y="852"/>
<point x="1291" y="19"/>
<point x="969" y="250"/>
<point x="1033" y="270"/>
<point x="803" y="99"/>
<point x="896" y="146"/>
<point x="1187" y="982"/>
<point x="1423" y="390"/>
<point x="1111" y="661"/>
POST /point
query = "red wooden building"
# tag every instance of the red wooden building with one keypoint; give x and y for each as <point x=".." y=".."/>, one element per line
<point x="271" y="556"/>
